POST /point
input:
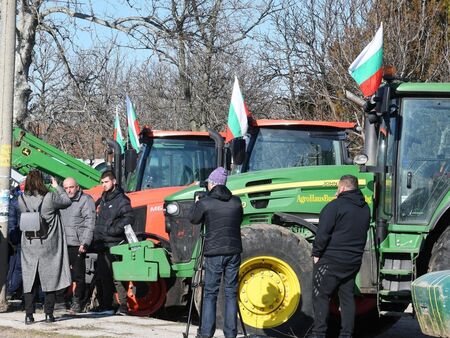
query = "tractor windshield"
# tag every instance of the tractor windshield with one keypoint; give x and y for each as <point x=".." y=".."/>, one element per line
<point x="272" y="148"/>
<point x="424" y="155"/>
<point x="170" y="162"/>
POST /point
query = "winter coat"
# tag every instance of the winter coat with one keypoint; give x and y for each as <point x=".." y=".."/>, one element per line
<point x="114" y="212"/>
<point x="14" y="233"/>
<point x="79" y="220"/>
<point x="14" y="276"/>
<point x="49" y="255"/>
<point x="222" y="213"/>
<point x="342" y="232"/>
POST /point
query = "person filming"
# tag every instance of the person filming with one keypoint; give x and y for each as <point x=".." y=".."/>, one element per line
<point x="221" y="213"/>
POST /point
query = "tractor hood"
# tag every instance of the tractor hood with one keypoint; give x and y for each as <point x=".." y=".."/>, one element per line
<point x="321" y="179"/>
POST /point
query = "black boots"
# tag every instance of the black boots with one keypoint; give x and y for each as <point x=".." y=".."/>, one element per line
<point x="49" y="318"/>
<point x="29" y="319"/>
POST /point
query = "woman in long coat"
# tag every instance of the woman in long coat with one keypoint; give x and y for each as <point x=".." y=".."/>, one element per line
<point x="45" y="261"/>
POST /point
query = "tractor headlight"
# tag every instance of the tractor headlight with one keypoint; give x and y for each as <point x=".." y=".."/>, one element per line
<point x="172" y="209"/>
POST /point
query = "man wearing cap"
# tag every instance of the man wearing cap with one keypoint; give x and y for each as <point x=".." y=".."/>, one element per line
<point x="221" y="212"/>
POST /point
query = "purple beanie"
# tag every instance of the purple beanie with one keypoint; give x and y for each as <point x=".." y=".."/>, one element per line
<point x="218" y="176"/>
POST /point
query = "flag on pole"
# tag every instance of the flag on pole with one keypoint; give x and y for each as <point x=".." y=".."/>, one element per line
<point x="237" y="115"/>
<point x="118" y="137"/>
<point x="133" y="126"/>
<point x="367" y="67"/>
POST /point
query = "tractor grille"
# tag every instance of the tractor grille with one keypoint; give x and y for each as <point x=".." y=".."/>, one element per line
<point x="183" y="234"/>
<point x="260" y="218"/>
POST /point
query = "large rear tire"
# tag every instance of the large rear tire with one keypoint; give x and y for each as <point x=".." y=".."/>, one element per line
<point x="440" y="254"/>
<point x="275" y="282"/>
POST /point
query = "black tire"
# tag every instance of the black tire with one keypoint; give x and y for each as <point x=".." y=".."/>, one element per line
<point x="440" y="254"/>
<point x="290" y="315"/>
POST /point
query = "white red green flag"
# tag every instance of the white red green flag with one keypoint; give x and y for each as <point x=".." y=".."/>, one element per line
<point x="237" y="115"/>
<point x="133" y="126"/>
<point x="367" y="67"/>
<point x="118" y="137"/>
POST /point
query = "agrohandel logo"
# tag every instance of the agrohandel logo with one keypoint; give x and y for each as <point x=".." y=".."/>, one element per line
<point x="311" y="198"/>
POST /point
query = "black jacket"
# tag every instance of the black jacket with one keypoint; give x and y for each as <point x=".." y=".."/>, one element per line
<point x="114" y="212"/>
<point x="221" y="212"/>
<point x="342" y="231"/>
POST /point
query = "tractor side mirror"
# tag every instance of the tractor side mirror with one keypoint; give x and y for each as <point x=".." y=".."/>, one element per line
<point x="130" y="160"/>
<point x="237" y="148"/>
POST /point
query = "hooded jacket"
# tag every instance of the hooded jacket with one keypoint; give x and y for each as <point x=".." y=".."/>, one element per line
<point x="342" y="232"/>
<point x="114" y="212"/>
<point x="221" y="212"/>
<point x="79" y="220"/>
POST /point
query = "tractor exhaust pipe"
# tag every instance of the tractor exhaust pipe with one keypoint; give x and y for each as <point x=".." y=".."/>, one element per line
<point x="218" y="140"/>
<point x="117" y="164"/>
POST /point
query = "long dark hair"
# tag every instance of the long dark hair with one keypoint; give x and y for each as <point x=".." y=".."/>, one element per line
<point x="34" y="183"/>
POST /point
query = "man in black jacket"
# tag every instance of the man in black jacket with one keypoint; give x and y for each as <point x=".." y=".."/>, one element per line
<point x="337" y="254"/>
<point x="221" y="212"/>
<point x="113" y="213"/>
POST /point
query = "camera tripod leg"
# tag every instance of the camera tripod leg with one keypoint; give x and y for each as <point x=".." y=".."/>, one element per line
<point x="242" y="321"/>
<point x="197" y="282"/>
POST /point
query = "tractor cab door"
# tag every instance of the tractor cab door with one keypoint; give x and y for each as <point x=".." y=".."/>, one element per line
<point x="423" y="158"/>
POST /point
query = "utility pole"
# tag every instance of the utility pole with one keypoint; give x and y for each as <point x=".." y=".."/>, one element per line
<point x="7" y="53"/>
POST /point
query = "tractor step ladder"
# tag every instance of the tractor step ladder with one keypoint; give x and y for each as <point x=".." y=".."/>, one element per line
<point x="396" y="272"/>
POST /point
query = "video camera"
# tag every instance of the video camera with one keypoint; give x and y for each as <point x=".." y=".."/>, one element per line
<point x="198" y="195"/>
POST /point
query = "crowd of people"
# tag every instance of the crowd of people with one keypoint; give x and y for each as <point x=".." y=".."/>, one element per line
<point x="51" y="260"/>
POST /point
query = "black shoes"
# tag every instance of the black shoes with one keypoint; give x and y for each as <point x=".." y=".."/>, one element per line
<point x="29" y="319"/>
<point x="49" y="318"/>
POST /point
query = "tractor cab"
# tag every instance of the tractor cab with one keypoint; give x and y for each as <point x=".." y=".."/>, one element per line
<point x="275" y="144"/>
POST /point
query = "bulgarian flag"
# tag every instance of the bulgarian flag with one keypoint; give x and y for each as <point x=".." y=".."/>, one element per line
<point x="133" y="126"/>
<point x="366" y="69"/>
<point x="118" y="137"/>
<point x="237" y="115"/>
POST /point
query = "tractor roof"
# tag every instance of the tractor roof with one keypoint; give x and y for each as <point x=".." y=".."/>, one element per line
<point x="305" y="123"/>
<point x="423" y="88"/>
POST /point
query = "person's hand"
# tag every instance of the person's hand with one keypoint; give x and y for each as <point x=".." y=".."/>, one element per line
<point x="196" y="198"/>
<point x="82" y="249"/>
<point x="316" y="259"/>
<point x="54" y="182"/>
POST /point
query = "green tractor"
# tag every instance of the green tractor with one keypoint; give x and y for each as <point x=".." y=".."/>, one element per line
<point x="406" y="183"/>
<point x="270" y="144"/>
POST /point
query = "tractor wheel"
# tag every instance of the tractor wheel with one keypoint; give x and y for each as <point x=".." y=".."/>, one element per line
<point x="440" y="254"/>
<point x="275" y="282"/>
<point x="145" y="298"/>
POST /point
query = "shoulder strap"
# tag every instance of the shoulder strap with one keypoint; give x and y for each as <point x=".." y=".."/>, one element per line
<point x="25" y="203"/>
<point x="40" y="204"/>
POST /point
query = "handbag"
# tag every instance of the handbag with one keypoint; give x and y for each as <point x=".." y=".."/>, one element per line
<point x="32" y="223"/>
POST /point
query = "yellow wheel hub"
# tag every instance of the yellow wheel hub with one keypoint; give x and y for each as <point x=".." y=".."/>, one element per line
<point x="269" y="291"/>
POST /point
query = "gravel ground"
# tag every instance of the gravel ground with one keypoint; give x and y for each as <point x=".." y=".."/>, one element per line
<point x="169" y="325"/>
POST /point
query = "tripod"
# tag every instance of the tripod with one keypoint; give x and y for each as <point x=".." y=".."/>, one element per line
<point x="197" y="281"/>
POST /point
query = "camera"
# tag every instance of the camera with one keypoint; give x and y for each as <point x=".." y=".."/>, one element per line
<point x="198" y="195"/>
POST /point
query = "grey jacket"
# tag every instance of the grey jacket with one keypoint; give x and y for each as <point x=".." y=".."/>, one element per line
<point x="79" y="220"/>
<point x="48" y="256"/>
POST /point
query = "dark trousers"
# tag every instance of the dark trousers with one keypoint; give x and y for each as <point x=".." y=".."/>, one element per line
<point x="30" y="299"/>
<point x="107" y="283"/>
<point x="327" y="278"/>
<point x="78" y="268"/>
<point x="215" y="268"/>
